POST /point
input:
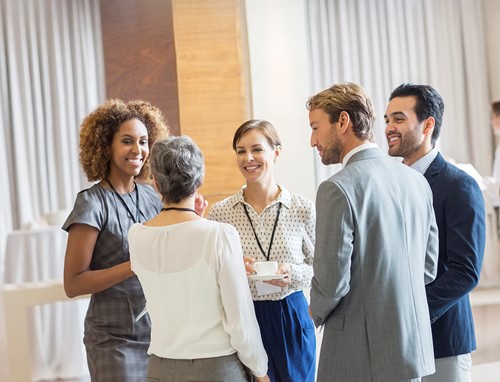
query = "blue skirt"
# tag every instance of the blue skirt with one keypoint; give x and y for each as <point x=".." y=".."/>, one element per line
<point x="289" y="338"/>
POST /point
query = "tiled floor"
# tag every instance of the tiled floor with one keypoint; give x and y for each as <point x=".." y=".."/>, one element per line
<point x="486" y="372"/>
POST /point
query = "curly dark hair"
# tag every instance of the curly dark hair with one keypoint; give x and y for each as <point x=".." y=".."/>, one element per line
<point x="99" y="127"/>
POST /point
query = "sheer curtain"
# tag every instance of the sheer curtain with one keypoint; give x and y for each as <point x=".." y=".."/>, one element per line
<point x="51" y="76"/>
<point x="380" y="44"/>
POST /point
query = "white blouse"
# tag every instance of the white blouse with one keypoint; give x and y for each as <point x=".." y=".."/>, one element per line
<point x="196" y="292"/>
<point x="293" y="241"/>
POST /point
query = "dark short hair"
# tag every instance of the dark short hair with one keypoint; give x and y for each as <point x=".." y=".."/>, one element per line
<point x="428" y="104"/>
<point x="178" y="167"/>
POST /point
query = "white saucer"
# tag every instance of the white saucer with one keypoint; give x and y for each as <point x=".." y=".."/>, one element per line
<point x="278" y="276"/>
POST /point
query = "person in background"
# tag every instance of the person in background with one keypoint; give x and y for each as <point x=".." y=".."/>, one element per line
<point x="203" y="321"/>
<point x="495" y="126"/>
<point x="376" y="248"/>
<point x="274" y="225"/>
<point x="115" y="140"/>
<point x="494" y="183"/>
<point x="413" y="117"/>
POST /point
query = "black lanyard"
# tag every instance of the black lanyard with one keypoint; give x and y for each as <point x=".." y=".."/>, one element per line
<point x="178" y="209"/>
<point x="138" y="211"/>
<point x="255" y="233"/>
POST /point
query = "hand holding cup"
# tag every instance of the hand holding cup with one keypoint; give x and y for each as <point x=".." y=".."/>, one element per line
<point x="266" y="267"/>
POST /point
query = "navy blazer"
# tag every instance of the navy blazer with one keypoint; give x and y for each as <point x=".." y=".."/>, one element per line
<point x="460" y="216"/>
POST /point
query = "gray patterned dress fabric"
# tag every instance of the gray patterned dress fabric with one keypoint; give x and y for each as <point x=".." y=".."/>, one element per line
<point x="116" y="343"/>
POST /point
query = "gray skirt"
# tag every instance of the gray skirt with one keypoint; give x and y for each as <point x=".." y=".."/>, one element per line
<point x="116" y="343"/>
<point x="218" y="369"/>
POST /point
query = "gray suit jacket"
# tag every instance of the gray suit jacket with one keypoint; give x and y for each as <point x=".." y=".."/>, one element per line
<point x="376" y="248"/>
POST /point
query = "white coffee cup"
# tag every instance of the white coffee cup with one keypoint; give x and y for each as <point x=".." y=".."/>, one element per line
<point x="266" y="267"/>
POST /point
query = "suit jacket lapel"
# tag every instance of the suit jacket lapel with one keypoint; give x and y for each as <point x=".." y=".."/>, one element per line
<point x="434" y="169"/>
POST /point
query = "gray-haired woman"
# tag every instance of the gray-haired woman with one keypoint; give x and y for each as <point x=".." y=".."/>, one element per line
<point x="191" y="270"/>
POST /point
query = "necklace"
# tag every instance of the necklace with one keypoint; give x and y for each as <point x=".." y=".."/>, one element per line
<point x="178" y="209"/>
<point x="272" y="234"/>
<point x="138" y="210"/>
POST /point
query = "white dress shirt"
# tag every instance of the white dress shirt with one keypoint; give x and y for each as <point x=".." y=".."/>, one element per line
<point x="195" y="284"/>
<point x="422" y="164"/>
<point x="364" y="146"/>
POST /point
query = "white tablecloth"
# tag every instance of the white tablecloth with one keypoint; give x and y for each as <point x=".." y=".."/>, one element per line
<point x="56" y="330"/>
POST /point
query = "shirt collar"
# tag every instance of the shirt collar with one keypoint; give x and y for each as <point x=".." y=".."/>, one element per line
<point x="422" y="164"/>
<point x="357" y="149"/>
<point x="285" y="197"/>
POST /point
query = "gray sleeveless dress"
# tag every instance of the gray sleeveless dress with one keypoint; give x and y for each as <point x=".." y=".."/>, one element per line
<point x="115" y="340"/>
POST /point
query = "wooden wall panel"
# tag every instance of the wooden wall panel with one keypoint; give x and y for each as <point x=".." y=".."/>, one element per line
<point x="139" y="53"/>
<point x="210" y="41"/>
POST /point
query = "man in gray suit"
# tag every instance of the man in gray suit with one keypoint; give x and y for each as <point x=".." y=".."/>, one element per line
<point x="376" y="248"/>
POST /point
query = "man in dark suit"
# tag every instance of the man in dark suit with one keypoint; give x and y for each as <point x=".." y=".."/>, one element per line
<point x="413" y="118"/>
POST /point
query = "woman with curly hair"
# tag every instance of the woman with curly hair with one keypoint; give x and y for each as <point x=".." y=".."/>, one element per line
<point x="115" y="140"/>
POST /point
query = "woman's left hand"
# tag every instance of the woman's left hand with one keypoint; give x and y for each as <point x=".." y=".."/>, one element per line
<point x="200" y="205"/>
<point x="284" y="282"/>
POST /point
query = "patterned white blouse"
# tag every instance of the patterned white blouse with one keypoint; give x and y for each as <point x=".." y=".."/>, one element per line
<point x="293" y="241"/>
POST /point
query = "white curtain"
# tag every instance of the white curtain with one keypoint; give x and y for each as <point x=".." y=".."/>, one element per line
<point x="380" y="44"/>
<point x="51" y="76"/>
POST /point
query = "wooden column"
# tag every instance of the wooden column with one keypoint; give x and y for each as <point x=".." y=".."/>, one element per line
<point x="189" y="57"/>
<point x="212" y="78"/>
<point x="139" y="53"/>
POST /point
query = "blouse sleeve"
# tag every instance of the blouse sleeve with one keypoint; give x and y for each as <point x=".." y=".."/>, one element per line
<point x="89" y="209"/>
<point x="301" y="274"/>
<point x="239" y="320"/>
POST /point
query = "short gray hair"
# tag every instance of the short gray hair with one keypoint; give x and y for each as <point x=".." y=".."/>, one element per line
<point x="178" y="166"/>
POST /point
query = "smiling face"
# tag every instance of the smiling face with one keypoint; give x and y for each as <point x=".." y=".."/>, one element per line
<point x="406" y="136"/>
<point x="324" y="137"/>
<point x="255" y="157"/>
<point x="129" y="149"/>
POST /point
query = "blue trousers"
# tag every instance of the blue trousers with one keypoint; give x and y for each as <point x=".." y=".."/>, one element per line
<point x="289" y="339"/>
